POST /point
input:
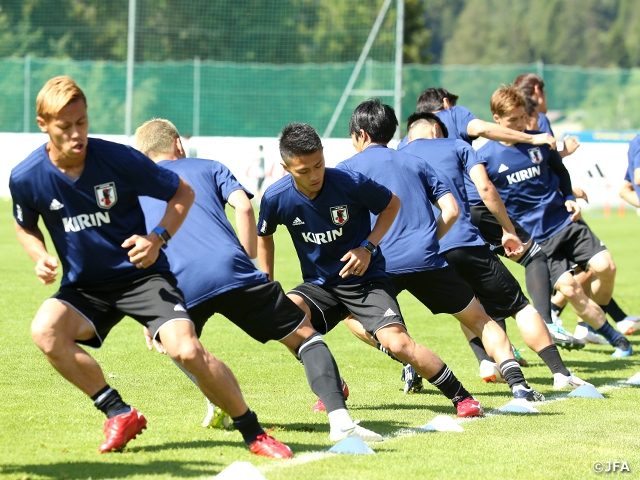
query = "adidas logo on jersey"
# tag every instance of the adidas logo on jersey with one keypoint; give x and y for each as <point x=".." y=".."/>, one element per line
<point x="523" y="175"/>
<point x="55" y="205"/>
<point x="297" y="222"/>
<point x="179" y="308"/>
<point x="503" y="168"/>
<point x="389" y="313"/>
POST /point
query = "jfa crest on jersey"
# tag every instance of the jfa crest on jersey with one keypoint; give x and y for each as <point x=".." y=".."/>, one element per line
<point x="106" y="194"/>
<point x="339" y="215"/>
<point x="535" y="155"/>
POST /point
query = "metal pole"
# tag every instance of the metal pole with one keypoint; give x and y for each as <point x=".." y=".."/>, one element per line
<point x="356" y="70"/>
<point x="196" y="97"/>
<point x="131" y="45"/>
<point x="397" y="96"/>
<point x="26" y="117"/>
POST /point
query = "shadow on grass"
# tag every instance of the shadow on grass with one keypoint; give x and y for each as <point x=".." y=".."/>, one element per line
<point x="83" y="470"/>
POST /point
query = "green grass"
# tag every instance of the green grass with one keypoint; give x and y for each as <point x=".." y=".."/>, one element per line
<point x="49" y="429"/>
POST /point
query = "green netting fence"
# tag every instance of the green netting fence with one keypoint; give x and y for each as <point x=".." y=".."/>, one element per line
<point x="256" y="100"/>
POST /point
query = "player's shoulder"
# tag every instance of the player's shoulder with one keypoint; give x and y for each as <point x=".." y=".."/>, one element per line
<point x="278" y="189"/>
<point x="24" y="170"/>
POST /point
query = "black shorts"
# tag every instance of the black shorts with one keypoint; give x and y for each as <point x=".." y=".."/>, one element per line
<point x="494" y="285"/>
<point x="441" y="290"/>
<point x="491" y="230"/>
<point x="575" y="243"/>
<point x="373" y="303"/>
<point x="152" y="300"/>
<point x="262" y="311"/>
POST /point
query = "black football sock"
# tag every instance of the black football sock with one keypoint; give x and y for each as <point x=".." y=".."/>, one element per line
<point x="248" y="426"/>
<point x="478" y="350"/>
<point x="513" y="374"/>
<point x="551" y="357"/>
<point x="537" y="280"/>
<point x="322" y="372"/>
<point x="449" y="385"/>
<point x="614" y="311"/>
<point x="604" y="308"/>
<point x="556" y="309"/>
<point x="502" y="323"/>
<point x="109" y="401"/>
<point x="384" y="350"/>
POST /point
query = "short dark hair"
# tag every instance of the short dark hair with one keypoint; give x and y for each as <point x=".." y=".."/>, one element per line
<point x="297" y="140"/>
<point x="376" y="118"/>
<point x="431" y="99"/>
<point x="530" y="105"/>
<point x="427" y="117"/>
<point x="527" y="82"/>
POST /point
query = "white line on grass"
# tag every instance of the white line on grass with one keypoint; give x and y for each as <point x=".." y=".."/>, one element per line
<point x="406" y="432"/>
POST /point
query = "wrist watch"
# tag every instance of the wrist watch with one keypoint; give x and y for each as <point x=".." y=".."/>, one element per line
<point x="369" y="247"/>
<point x="163" y="234"/>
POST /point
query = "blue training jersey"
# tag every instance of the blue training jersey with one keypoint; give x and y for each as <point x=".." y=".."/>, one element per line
<point x="634" y="162"/>
<point x="544" y="125"/>
<point x="528" y="188"/>
<point x="451" y="159"/>
<point x="325" y="228"/>
<point x="89" y="217"/>
<point x="411" y="244"/>
<point x="205" y="254"/>
<point x="456" y="119"/>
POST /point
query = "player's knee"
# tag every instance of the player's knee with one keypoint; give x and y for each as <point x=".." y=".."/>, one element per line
<point x="399" y="344"/>
<point x="187" y="352"/>
<point x="603" y="266"/>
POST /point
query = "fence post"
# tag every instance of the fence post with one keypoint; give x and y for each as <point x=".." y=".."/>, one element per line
<point x="196" y="97"/>
<point x="27" y="93"/>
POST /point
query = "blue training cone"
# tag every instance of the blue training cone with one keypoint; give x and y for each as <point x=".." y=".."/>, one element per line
<point x="352" y="446"/>
<point x="518" y="406"/>
<point x="586" y="391"/>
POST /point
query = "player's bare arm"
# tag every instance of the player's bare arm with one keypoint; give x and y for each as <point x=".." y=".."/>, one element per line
<point x="245" y="222"/>
<point x="580" y="193"/>
<point x="628" y="194"/>
<point x="144" y="249"/>
<point x="32" y="241"/>
<point x="493" y="131"/>
<point x="358" y="259"/>
<point x="266" y="255"/>
<point x="636" y="176"/>
<point x="491" y="198"/>
<point x="449" y="214"/>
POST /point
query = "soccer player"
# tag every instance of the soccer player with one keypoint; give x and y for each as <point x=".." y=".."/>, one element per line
<point x="545" y="206"/>
<point x="630" y="190"/>
<point x="463" y="124"/>
<point x="327" y="213"/>
<point x="86" y="191"/>
<point x="411" y="245"/>
<point x="532" y="86"/>
<point x="227" y="282"/>
<point x="464" y="248"/>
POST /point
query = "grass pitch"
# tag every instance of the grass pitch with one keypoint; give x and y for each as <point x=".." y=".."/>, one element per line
<point x="49" y="429"/>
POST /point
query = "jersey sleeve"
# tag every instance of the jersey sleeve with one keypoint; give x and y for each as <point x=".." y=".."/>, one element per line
<point x="25" y="215"/>
<point x="226" y="181"/>
<point x="462" y="117"/>
<point x="468" y="156"/>
<point x="435" y="187"/>
<point x="150" y="179"/>
<point x="267" y="219"/>
<point x="374" y="196"/>
<point x="555" y="164"/>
